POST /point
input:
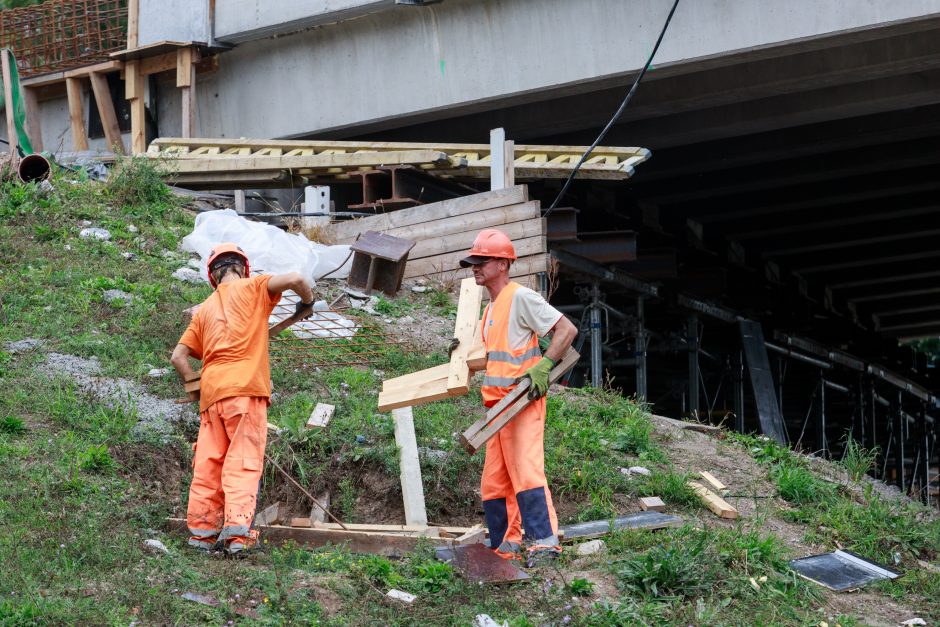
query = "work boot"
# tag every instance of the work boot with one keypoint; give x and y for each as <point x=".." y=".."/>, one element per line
<point x="243" y="545"/>
<point x="206" y="544"/>
<point x="541" y="555"/>
<point x="509" y="551"/>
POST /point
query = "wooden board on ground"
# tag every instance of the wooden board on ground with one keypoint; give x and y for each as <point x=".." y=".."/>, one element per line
<point x="716" y="485"/>
<point x="690" y="426"/>
<point x="480" y="565"/>
<point x="475" y="535"/>
<point x="387" y="544"/>
<point x="412" y="488"/>
<point x="640" y="520"/>
<point x="652" y="504"/>
<point x="715" y="503"/>
<point x="321" y="415"/>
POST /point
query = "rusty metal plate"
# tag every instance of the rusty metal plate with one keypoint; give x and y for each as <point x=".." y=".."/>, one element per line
<point x="479" y="564"/>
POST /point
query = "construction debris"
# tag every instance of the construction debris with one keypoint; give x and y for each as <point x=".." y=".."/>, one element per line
<point x="841" y="570"/>
<point x="716" y="485"/>
<point x="271" y="515"/>
<point x="598" y="528"/>
<point x="156" y="546"/>
<point x="591" y="547"/>
<point x="652" y="504"/>
<point x="715" y="503"/>
<point x="399" y="595"/>
<point x="479" y="564"/>
<point x="320" y="417"/>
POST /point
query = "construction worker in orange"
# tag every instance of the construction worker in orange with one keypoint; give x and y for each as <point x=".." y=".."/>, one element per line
<point x="229" y="334"/>
<point x="514" y="488"/>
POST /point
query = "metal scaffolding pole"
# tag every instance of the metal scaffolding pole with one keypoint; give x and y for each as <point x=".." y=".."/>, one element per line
<point x="899" y="442"/>
<point x="640" y="350"/>
<point x="597" y="366"/>
<point x="692" y="340"/>
<point x="738" y="377"/>
<point x="822" y="445"/>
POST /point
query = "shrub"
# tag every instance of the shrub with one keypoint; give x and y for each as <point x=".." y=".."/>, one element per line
<point x="96" y="459"/>
<point x="12" y="425"/>
<point x="858" y="460"/>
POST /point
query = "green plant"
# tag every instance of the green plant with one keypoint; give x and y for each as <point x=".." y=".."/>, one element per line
<point x="798" y="484"/>
<point x="670" y="485"/>
<point x="138" y="181"/>
<point x="680" y="568"/>
<point x="431" y="575"/>
<point x="581" y="587"/>
<point x="12" y="425"/>
<point x="378" y="570"/>
<point x="347" y="497"/>
<point x="96" y="459"/>
<point x="858" y="460"/>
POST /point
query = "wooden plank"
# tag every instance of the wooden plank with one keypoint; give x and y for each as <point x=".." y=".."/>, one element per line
<point x="434" y="211"/>
<point x="468" y="319"/>
<point x="475" y="535"/>
<point x="689" y="426"/>
<point x="5" y="65"/>
<point x="462" y="241"/>
<point x="451" y="261"/>
<point x="156" y="64"/>
<point x="301" y="162"/>
<point x="497" y="159"/>
<point x="419" y="377"/>
<point x="271" y="514"/>
<point x="714" y="502"/>
<point x="184" y="67"/>
<point x="101" y="68"/>
<point x="498" y="416"/>
<point x="522" y="267"/>
<point x="471" y="222"/>
<point x="652" y="504"/>
<point x="320" y="417"/>
<point x="300" y="522"/>
<point x="412" y="489"/>
<point x="388" y="544"/>
<point x="133" y="17"/>
<point x="509" y="163"/>
<point x="33" y="117"/>
<point x="43" y="80"/>
<point x="109" y="121"/>
<point x="476" y="356"/>
<point x="134" y="92"/>
<point x="427" y="392"/>
<point x="375" y="527"/>
<point x="76" y="114"/>
<point x="716" y="485"/>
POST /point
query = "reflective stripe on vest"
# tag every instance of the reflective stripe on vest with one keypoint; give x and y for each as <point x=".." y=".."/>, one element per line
<point x="503" y="364"/>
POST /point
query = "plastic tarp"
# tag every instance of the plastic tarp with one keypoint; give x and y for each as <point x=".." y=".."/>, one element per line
<point x="19" y="107"/>
<point x="270" y="250"/>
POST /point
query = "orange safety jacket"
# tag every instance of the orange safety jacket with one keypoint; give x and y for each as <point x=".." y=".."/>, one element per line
<point x="503" y="364"/>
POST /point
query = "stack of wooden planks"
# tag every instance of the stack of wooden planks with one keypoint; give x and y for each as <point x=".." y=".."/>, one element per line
<point x="444" y="232"/>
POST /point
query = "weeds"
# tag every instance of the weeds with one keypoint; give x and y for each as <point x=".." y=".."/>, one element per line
<point x="12" y="425"/>
<point x="858" y="460"/>
<point x="581" y="587"/>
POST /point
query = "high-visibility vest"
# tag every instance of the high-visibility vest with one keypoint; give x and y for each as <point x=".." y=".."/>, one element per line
<point x="504" y="364"/>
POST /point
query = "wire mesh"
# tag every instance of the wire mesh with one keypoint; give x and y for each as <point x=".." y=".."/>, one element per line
<point x="330" y="337"/>
<point x="59" y="35"/>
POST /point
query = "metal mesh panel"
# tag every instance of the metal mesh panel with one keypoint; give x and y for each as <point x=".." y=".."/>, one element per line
<point x="63" y="34"/>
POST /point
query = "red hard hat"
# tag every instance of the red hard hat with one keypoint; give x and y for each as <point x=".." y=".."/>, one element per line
<point x="489" y="243"/>
<point x="227" y="248"/>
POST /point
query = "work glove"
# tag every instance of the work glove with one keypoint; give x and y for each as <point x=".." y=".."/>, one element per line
<point x="300" y="307"/>
<point x="454" y="343"/>
<point x="538" y="374"/>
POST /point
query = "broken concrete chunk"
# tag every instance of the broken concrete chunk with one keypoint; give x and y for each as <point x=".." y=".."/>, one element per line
<point x="637" y="470"/>
<point x="114" y="297"/>
<point x="419" y="289"/>
<point x="156" y="546"/>
<point x="484" y="620"/>
<point x="914" y="621"/>
<point x="591" y="547"/>
<point x="402" y="596"/>
<point x="188" y="275"/>
<point x="156" y="373"/>
<point x="320" y="416"/>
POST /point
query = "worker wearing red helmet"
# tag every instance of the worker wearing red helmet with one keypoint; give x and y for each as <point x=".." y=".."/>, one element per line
<point x="514" y="488"/>
<point x="229" y="333"/>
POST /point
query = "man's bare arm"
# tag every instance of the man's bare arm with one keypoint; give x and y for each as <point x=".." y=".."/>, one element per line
<point x="290" y="281"/>
<point x="563" y="334"/>
<point x="180" y="361"/>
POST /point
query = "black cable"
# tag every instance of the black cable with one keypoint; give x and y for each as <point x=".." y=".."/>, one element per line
<point x="623" y="105"/>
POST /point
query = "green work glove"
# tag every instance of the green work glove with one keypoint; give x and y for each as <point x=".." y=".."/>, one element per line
<point x="538" y="374"/>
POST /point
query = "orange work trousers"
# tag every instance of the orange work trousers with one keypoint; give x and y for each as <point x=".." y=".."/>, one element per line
<point x="514" y="488"/>
<point x="227" y="465"/>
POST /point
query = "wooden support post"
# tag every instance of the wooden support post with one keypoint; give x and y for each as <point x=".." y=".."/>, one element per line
<point x="412" y="489"/>
<point x="133" y="17"/>
<point x="466" y="327"/>
<point x="33" y="118"/>
<point x="497" y="159"/>
<point x="240" y="200"/>
<point x="73" y="87"/>
<point x="99" y="85"/>
<point x="8" y="102"/>
<point x="509" y="163"/>
<point x="186" y="81"/>
<point x="134" y="92"/>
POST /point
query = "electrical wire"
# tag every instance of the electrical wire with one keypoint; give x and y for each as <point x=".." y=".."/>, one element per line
<point x="620" y="110"/>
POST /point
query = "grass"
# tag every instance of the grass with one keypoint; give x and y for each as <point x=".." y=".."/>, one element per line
<point x="858" y="460"/>
<point x="81" y="488"/>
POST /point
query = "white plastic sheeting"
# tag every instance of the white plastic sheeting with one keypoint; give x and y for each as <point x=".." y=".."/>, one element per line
<point x="270" y="250"/>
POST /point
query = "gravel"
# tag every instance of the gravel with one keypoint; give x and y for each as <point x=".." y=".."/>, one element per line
<point x="154" y="415"/>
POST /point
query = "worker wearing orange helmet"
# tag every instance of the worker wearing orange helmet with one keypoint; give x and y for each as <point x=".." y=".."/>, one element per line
<point x="514" y="488"/>
<point x="229" y="333"/>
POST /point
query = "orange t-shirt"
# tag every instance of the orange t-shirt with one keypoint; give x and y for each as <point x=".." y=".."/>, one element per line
<point x="229" y="333"/>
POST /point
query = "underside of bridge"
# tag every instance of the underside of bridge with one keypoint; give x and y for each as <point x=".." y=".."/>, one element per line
<point x="794" y="186"/>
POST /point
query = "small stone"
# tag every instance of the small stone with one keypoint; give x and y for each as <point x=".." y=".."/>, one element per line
<point x="638" y="470"/>
<point x="68" y="247"/>
<point x="420" y="289"/>
<point x="360" y="439"/>
<point x="132" y="229"/>
<point x="914" y="621"/>
<point x="484" y="620"/>
<point x="388" y="320"/>
<point x="156" y="546"/>
<point x="188" y="275"/>
<point x="604" y="442"/>
<point x="399" y="595"/>
<point x="115" y="297"/>
<point x="591" y="547"/>
<point x="86" y="222"/>
<point x="129" y="256"/>
<point x="158" y="372"/>
<point x="406" y="320"/>
<point x="95" y="233"/>
<point x="193" y="263"/>
<point x="421" y="281"/>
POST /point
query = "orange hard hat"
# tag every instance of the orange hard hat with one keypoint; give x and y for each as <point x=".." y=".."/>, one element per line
<point x="489" y="243"/>
<point x="230" y="254"/>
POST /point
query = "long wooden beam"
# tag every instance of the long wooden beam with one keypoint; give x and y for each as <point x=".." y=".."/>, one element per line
<point x="99" y="86"/>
